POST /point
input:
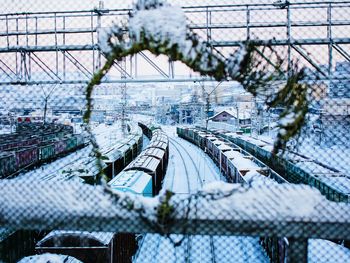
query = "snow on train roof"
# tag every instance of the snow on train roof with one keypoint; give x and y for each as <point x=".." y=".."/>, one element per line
<point x="129" y="141"/>
<point x="104" y="238"/>
<point x="155" y="152"/>
<point x="240" y="161"/>
<point x="217" y="141"/>
<point x="159" y="137"/>
<point x="83" y="167"/>
<point x="224" y="147"/>
<point x="232" y="134"/>
<point x="48" y="257"/>
<point x="340" y="183"/>
<point x="254" y="141"/>
<point x="256" y="178"/>
<point x="148" y="163"/>
<point x="131" y="181"/>
<point x="159" y="144"/>
<point x="112" y="154"/>
<point x="232" y="154"/>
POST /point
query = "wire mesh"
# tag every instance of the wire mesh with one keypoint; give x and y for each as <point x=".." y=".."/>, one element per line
<point x="208" y="187"/>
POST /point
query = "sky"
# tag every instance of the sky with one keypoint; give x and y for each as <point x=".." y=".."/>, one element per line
<point x="319" y="54"/>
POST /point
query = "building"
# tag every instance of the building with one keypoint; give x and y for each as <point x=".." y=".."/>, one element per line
<point x="231" y="117"/>
<point x="340" y="86"/>
<point x="335" y="120"/>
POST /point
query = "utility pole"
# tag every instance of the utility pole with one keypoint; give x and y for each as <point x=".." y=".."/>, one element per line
<point x="204" y="99"/>
<point x="207" y="111"/>
<point x="208" y="103"/>
<point x="124" y="102"/>
<point x="46" y="98"/>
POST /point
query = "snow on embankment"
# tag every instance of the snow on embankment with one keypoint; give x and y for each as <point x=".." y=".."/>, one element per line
<point x="65" y="205"/>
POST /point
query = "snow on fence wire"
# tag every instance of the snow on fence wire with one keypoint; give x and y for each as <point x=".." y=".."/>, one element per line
<point x="225" y="215"/>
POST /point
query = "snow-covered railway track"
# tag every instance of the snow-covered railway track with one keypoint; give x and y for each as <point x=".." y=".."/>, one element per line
<point x="185" y="167"/>
<point x="188" y="237"/>
<point x="195" y="248"/>
<point x="199" y="180"/>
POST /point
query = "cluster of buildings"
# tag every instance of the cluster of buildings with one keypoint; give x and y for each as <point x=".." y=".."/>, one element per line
<point x="187" y="103"/>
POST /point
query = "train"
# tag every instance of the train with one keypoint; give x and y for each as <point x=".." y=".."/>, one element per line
<point x="34" y="146"/>
<point x="79" y="244"/>
<point x="239" y="165"/>
<point x="295" y="169"/>
<point x="140" y="175"/>
<point x="119" y="155"/>
<point x="149" y="167"/>
<point x="236" y="164"/>
<point x="143" y="176"/>
<point x="115" y="156"/>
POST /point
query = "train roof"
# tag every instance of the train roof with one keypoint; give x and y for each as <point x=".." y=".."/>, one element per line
<point x="268" y="147"/>
<point x="218" y="142"/>
<point x="211" y="137"/>
<point x="85" y="167"/>
<point x="224" y="147"/>
<point x="123" y="148"/>
<point x="144" y="163"/>
<point x="255" y="141"/>
<point x="159" y="144"/>
<point x="157" y="131"/>
<point x="162" y="138"/>
<point x="131" y="181"/>
<point x="112" y="154"/>
<point x="256" y="176"/>
<point x="155" y="152"/>
<point x="232" y="154"/>
<point x="53" y="238"/>
<point x="231" y="134"/>
<point x="240" y="161"/>
<point x="128" y="141"/>
<point x="340" y="183"/>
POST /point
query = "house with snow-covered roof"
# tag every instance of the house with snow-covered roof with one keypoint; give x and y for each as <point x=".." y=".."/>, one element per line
<point x="231" y="117"/>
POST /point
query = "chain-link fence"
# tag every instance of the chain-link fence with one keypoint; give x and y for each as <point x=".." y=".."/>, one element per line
<point x="146" y="132"/>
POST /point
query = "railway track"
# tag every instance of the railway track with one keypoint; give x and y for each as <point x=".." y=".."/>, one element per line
<point x="190" y="167"/>
<point x="189" y="237"/>
<point x="173" y="142"/>
<point x="212" y="170"/>
<point x="184" y="165"/>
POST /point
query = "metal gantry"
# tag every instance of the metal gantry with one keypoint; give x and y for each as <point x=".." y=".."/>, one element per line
<point x="62" y="47"/>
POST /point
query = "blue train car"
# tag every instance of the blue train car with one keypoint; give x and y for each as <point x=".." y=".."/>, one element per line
<point x="133" y="181"/>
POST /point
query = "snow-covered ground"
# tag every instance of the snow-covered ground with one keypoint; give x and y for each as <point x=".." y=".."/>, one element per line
<point x="189" y="170"/>
<point x="189" y="167"/>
